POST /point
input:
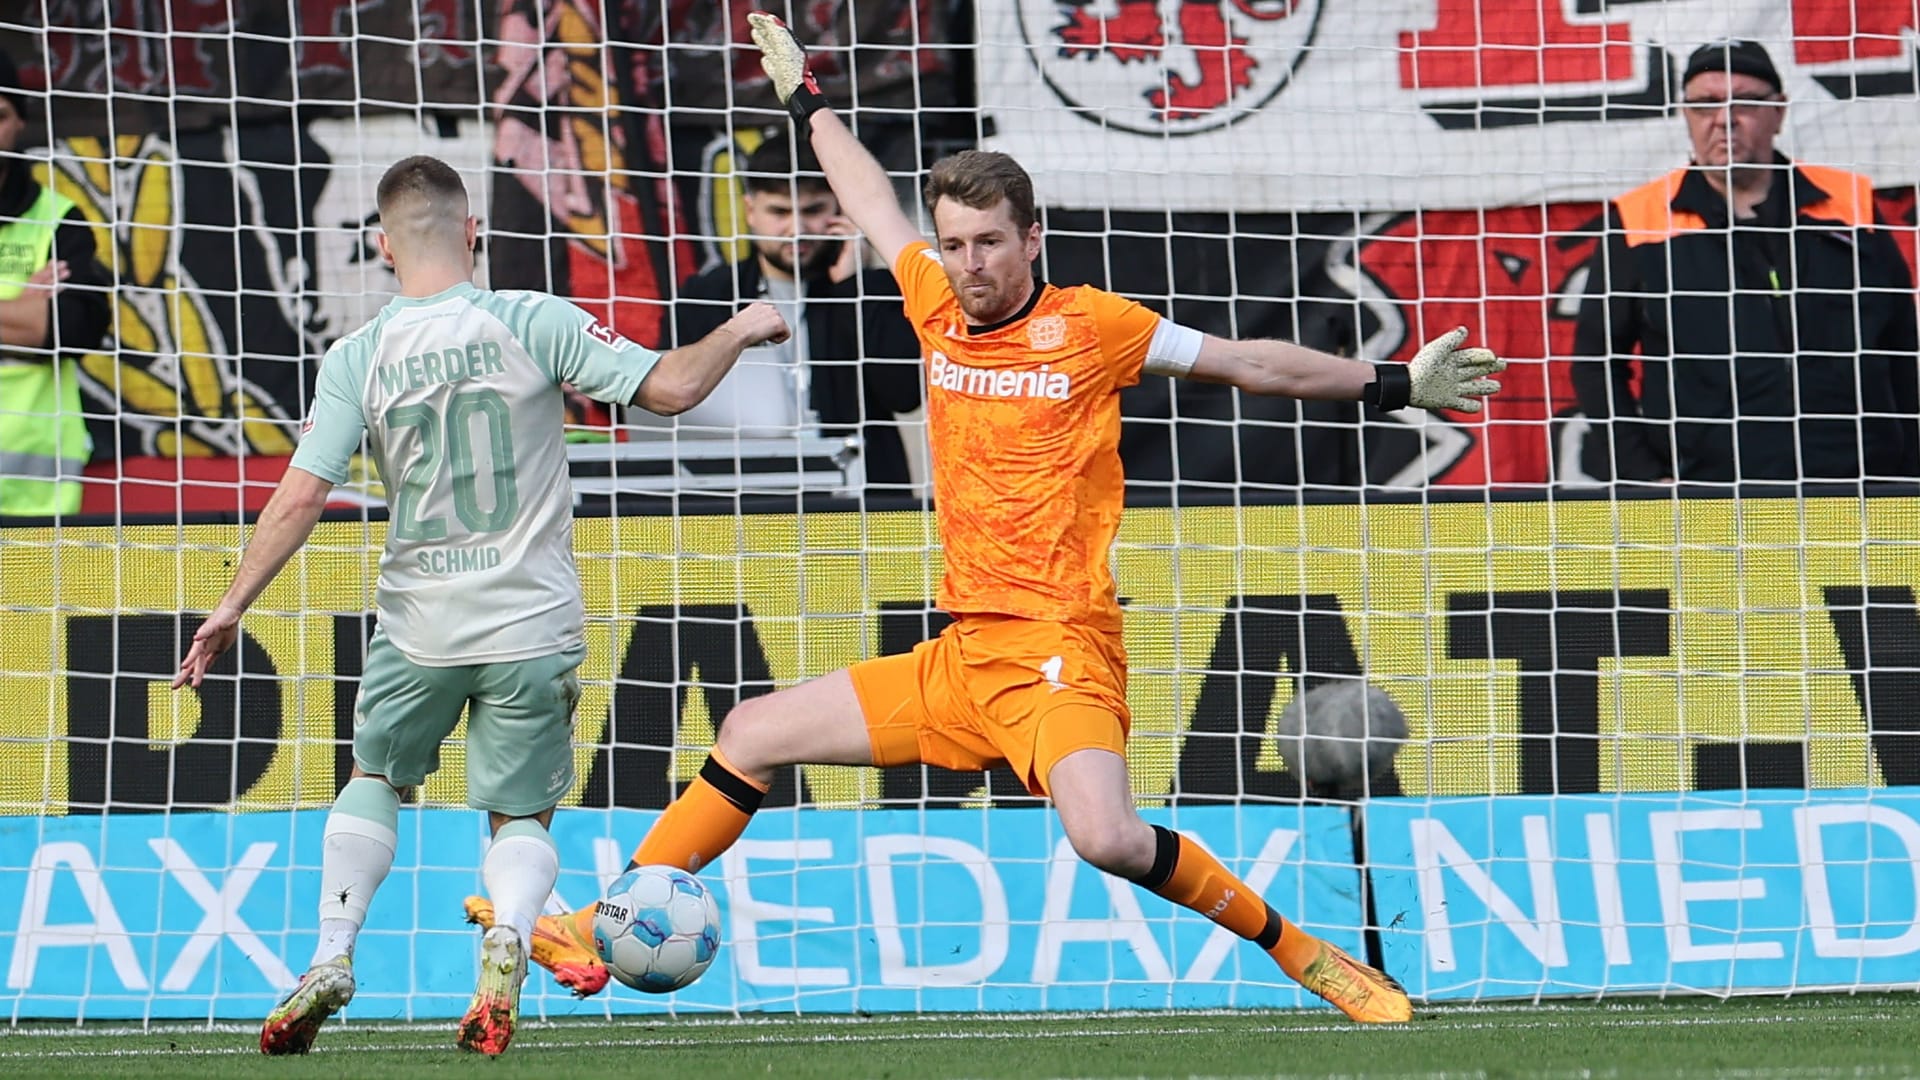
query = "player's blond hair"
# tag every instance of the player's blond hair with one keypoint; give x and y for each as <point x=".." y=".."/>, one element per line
<point x="982" y="179"/>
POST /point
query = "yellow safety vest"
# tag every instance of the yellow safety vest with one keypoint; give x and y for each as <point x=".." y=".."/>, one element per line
<point x="43" y="436"/>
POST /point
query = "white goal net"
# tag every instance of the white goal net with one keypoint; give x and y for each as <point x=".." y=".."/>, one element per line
<point x="1656" y="721"/>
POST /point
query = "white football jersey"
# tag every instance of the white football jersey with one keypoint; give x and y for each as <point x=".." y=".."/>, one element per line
<point x="458" y="395"/>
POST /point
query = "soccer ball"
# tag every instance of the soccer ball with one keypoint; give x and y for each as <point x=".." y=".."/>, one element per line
<point x="1341" y="736"/>
<point x="658" y="928"/>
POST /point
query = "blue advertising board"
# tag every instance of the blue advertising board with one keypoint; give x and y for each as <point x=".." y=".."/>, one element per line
<point x="1523" y="896"/>
<point x="212" y="915"/>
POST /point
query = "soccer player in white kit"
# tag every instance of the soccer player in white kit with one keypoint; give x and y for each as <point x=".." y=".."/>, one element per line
<point x="457" y="391"/>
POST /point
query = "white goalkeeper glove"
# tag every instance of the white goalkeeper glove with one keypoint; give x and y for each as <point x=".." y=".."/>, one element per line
<point x="785" y="63"/>
<point x="1442" y="375"/>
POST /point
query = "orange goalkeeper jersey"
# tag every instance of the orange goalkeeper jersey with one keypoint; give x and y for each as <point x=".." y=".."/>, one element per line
<point x="1024" y="421"/>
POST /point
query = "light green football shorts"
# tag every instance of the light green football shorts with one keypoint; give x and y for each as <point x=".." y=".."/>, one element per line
<point x="519" y="724"/>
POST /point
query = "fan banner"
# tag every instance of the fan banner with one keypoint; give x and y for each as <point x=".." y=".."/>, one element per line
<point x="1713" y="893"/>
<point x="210" y="915"/>
<point x="234" y="277"/>
<point x="169" y="67"/>
<point x="1276" y="105"/>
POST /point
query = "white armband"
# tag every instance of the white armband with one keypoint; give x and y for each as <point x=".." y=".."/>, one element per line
<point x="1173" y="350"/>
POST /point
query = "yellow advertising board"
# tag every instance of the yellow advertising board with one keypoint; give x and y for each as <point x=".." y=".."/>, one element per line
<point x="1534" y="645"/>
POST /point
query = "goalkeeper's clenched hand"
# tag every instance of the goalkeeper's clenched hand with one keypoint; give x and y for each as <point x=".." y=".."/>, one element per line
<point x="785" y="62"/>
<point x="1446" y="376"/>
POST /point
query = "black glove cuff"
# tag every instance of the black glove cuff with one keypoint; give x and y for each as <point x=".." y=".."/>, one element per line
<point x="804" y="102"/>
<point x="1391" y="387"/>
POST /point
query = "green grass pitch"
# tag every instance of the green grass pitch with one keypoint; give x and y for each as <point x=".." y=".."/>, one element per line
<point x="1743" y="1038"/>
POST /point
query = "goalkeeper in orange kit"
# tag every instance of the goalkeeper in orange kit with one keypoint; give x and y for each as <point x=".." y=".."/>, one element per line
<point x="1023" y="411"/>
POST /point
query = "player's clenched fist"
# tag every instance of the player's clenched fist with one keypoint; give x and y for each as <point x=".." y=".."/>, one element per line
<point x="1446" y="376"/>
<point x="759" y="323"/>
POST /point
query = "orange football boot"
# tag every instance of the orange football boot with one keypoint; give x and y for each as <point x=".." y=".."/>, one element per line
<point x="1365" y="994"/>
<point x="563" y="944"/>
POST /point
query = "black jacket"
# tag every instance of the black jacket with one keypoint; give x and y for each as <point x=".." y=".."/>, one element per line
<point x="1803" y="316"/>
<point x="864" y="358"/>
<point x="83" y="307"/>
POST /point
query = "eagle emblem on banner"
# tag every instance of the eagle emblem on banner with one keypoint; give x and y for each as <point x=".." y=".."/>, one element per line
<point x="1173" y="67"/>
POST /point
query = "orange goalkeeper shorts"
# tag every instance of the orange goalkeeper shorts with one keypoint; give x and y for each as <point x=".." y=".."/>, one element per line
<point x="997" y="689"/>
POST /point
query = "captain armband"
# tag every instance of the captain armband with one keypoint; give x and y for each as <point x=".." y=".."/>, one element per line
<point x="1173" y="350"/>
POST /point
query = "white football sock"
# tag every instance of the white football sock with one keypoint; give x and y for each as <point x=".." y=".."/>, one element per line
<point x="356" y="851"/>
<point x="519" y="871"/>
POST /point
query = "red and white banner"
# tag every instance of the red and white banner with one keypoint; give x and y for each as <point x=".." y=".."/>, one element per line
<point x="1302" y="105"/>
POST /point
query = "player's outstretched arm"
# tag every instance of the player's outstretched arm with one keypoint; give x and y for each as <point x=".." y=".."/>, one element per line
<point x="1442" y="375"/>
<point x="857" y="179"/>
<point x="284" y="525"/>
<point x="683" y="377"/>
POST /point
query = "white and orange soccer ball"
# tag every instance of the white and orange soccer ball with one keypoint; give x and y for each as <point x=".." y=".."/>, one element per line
<point x="657" y="929"/>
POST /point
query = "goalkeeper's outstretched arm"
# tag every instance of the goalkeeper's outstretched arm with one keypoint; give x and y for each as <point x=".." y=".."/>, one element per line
<point x="1442" y="375"/>
<point x="857" y="179"/>
<point x="862" y="187"/>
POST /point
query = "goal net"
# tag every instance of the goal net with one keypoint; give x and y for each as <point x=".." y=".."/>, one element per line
<point x="1621" y="738"/>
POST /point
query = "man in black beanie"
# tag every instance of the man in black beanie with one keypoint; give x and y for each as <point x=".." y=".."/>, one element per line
<point x="1769" y="318"/>
<point x="54" y="305"/>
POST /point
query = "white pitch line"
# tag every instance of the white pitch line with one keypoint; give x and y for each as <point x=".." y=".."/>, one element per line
<point x="340" y="1045"/>
<point x="1434" y="1013"/>
<point x="710" y="1019"/>
<point x="334" y="1047"/>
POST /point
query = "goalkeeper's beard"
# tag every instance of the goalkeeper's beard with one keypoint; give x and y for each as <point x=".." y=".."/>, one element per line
<point x="990" y="304"/>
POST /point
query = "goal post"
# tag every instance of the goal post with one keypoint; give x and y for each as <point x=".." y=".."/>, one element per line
<point x="1655" y="740"/>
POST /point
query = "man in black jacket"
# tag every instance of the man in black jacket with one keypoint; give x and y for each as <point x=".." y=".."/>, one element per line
<point x="853" y="361"/>
<point x="54" y="305"/>
<point x="1770" y="322"/>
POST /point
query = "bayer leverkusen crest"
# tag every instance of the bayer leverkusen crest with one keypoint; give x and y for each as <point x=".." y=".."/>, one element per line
<point x="1167" y="67"/>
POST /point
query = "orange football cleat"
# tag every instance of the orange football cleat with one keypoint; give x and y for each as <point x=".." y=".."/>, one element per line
<point x="1365" y="994"/>
<point x="558" y="946"/>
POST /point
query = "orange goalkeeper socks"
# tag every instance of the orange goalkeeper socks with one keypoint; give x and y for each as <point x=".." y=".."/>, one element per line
<point x="696" y="827"/>
<point x="704" y="821"/>
<point x="1185" y="873"/>
<point x="1295" y="949"/>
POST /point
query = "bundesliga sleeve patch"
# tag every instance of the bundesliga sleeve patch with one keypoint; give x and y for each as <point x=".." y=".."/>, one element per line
<point x="606" y="335"/>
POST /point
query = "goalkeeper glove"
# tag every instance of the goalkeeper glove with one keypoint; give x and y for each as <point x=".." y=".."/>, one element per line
<point x="1442" y="375"/>
<point x="785" y="62"/>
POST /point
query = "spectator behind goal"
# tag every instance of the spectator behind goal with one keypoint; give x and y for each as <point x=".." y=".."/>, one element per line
<point x="1773" y="322"/>
<point x="852" y="364"/>
<point x="54" y="305"/>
